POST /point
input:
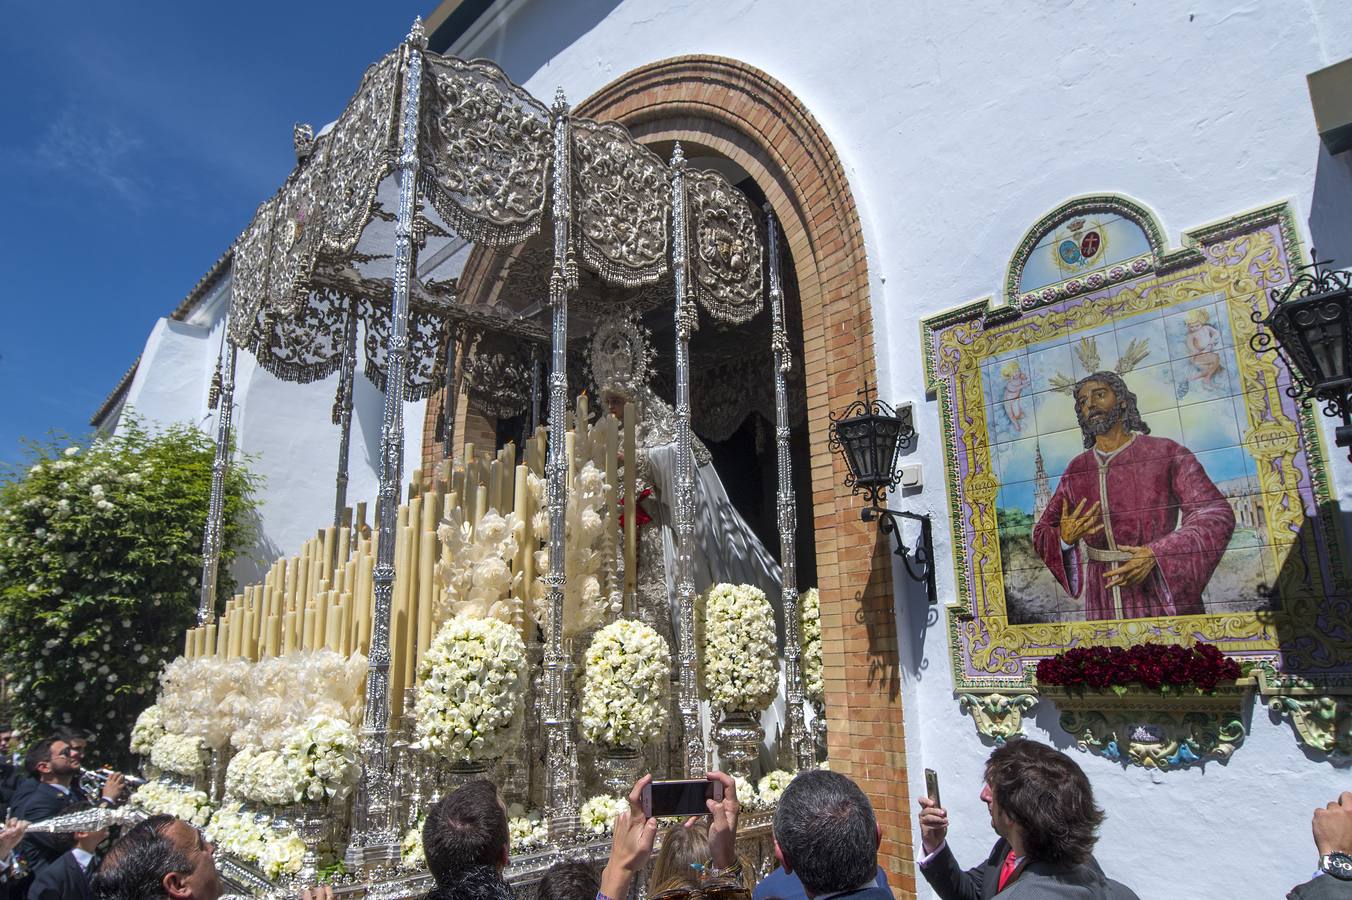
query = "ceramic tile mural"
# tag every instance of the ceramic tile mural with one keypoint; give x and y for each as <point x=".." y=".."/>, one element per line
<point x="1123" y="466"/>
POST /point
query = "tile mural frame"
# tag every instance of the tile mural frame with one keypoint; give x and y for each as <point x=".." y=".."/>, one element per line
<point x="1303" y="668"/>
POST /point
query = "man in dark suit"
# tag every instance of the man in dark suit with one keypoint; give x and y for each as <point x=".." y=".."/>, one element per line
<point x="1044" y="848"/>
<point x="1332" y="828"/>
<point x="10" y="774"/>
<point x="53" y="765"/>
<point x="819" y="803"/>
<point x="68" y="878"/>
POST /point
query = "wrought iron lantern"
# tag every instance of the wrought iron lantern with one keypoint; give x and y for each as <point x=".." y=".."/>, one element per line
<point x="870" y="435"/>
<point x="1310" y="325"/>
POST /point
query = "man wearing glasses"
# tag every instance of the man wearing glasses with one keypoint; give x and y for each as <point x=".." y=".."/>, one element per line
<point x="53" y="765"/>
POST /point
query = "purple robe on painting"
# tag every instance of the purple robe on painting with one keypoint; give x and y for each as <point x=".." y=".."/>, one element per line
<point x="1153" y="493"/>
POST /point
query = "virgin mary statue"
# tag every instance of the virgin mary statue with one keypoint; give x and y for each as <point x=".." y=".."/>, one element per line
<point x="725" y="547"/>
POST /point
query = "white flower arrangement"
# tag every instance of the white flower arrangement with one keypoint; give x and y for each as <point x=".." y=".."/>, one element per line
<point x="260" y="777"/>
<point x="157" y="797"/>
<point x="238" y="833"/>
<point x="598" y="814"/>
<point x="475" y="572"/>
<point x="810" y="613"/>
<point x="584" y="604"/>
<point x="740" y="669"/>
<point x="148" y="729"/>
<point x="747" y="797"/>
<point x="527" y="832"/>
<point x="471" y="691"/>
<point x="202" y="696"/>
<point x="626" y="681"/>
<point x="772" y="786"/>
<point x="282" y="855"/>
<point x="320" y="756"/>
<point x="180" y="754"/>
<point x="411" y="855"/>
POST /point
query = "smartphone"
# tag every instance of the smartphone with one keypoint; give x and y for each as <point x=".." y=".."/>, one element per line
<point x="932" y="786"/>
<point x="679" y="798"/>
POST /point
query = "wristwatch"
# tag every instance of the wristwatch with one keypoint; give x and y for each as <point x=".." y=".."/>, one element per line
<point x="1339" y="865"/>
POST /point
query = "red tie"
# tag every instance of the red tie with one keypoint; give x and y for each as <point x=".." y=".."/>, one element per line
<point x="1007" y="871"/>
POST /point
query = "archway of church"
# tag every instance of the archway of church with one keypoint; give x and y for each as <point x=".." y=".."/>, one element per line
<point x="731" y="116"/>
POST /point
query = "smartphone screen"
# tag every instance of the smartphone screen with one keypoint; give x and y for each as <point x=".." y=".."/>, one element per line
<point x="681" y="798"/>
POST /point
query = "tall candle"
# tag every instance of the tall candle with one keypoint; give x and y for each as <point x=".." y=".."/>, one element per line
<point x="288" y="633"/>
<point x="427" y="557"/>
<point x="630" y="504"/>
<point x="272" y="635"/>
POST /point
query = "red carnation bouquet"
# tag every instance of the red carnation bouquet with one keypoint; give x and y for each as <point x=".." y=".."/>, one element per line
<point x="1157" y="666"/>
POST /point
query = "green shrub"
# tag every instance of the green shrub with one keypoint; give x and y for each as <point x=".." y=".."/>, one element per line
<point x="100" y="556"/>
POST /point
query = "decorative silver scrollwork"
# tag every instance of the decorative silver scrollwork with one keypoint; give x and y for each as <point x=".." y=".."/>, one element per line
<point x="622" y="204"/>
<point x="499" y="382"/>
<point x="485" y="146"/>
<point x="249" y="274"/>
<point x="308" y="344"/>
<point x="427" y="331"/>
<point x="359" y="155"/>
<point x="725" y="265"/>
<point x="296" y="235"/>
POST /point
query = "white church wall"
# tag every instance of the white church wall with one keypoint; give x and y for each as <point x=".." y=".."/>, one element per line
<point x="958" y="128"/>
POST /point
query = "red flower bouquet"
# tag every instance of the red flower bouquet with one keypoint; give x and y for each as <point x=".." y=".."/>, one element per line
<point x="1157" y="666"/>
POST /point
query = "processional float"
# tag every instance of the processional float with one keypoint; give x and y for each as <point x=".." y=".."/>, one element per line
<point x="475" y="156"/>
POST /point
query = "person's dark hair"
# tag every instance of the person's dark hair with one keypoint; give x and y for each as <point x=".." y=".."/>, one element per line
<point x="466" y="828"/>
<point x="5" y="726"/>
<point x="572" y="879"/>
<point x="40" y="752"/>
<point x="1127" y="409"/>
<point x="1049" y="797"/>
<point x="135" y="866"/>
<point x="826" y="830"/>
<point x="62" y="841"/>
<point x="70" y="735"/>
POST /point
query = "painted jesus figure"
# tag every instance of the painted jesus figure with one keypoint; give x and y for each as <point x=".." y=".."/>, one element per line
<point x="1135" y="527"/>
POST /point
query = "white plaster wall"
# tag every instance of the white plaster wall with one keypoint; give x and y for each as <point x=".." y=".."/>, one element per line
<point x="959" y="125"/>
<point x="282" y="428"/>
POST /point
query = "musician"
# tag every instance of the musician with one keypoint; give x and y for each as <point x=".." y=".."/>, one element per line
<point x="53" y="765"/>
<point x="68" y="877"/>
<point x="10" y="775"/>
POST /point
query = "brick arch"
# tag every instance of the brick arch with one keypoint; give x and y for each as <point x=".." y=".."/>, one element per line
<point x="739" y="112"/>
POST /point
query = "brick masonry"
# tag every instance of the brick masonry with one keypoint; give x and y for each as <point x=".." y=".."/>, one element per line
<point x="728" y="108"/>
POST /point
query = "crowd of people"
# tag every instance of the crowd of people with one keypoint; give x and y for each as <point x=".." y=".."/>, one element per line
<point x="826" y="840"/>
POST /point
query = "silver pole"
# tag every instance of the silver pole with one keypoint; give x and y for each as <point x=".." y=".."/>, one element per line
<point x="344" y="410"/>
<point x="375" y="836"/>
<point x="211" y="535"/>
<point x="803" y="751"/>
<point x="561" y="789"/>
<point x="686" y="321"/>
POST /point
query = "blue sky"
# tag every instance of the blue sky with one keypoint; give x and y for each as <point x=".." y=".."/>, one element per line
<point x="138" y="138"/>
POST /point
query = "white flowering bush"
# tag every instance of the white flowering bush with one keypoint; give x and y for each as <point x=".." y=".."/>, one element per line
<point x="599" y="813"/>
<point x="772" y="786"/>
<point x="260" y="776"/>
<point x="180" y="754"/>
<point x="585" y="605"/>
<point x="158" y="797"/>
<point x="471" y="690"/>
<point x="740" y="669"/>
<point x="148" y="729"/>
<point x="626" y="680"/>
<point x="527" y="832"/>
<point x="811" y="633"/>
<point x="475" y="573"/>
<point x="411" y="855"/>
<point x="100" y="554"/>
<point x="321" y="759"/>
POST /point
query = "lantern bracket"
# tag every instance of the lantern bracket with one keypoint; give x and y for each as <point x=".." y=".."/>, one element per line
<point x="869" y="435"/>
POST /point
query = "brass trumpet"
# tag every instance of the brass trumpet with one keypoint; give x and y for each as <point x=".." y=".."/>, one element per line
<point x="93" y="780"/>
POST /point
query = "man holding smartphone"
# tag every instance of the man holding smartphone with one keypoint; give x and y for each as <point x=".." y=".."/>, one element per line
<point x="1045" y="849"/>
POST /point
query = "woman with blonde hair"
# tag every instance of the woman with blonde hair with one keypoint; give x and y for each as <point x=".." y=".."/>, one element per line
<point x="683" y="866"/>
